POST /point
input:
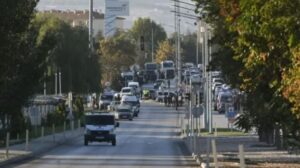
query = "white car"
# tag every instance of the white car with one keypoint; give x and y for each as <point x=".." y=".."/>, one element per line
<point x="214" y="85"/>
<point x="196" y="79"/>
<point x="217" y="80"/>
<point x="135" y="86"/>
<point x="126" y="91"/>
<point x="132" y="101"/>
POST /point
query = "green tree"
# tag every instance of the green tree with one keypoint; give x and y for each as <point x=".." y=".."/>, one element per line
<point x="79" y="68"/>
<point x="23" y="59"/>
<point x="143" y="27"/>
<point x="164" y="52"/>
<point x="118" y="52"/>
<point x="188" y="47"/>
<point x="259" y="40"/>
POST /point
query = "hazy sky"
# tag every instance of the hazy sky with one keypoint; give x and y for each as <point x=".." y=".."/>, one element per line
<point x="158" y="10"/>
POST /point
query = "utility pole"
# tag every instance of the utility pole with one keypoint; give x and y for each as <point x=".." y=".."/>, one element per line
<point x="45" y="84"/>
<point x="209" y="84"/>
<point x="197" y="45"/>
<point x="178" y="43"/>
<point x="59" y="74"/>
<point x="55" y="83"/>
<point x="91" y="41"/>
<point x="202" y="30"/>
<point x="152" y="41"/>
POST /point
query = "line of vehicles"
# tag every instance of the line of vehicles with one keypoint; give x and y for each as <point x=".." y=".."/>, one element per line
<point x="125" y="105"/>
<point x="151" y="72"/>
<point x="223" y="95"/>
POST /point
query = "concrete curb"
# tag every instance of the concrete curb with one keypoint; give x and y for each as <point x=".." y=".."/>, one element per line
<point x="38" y="152"/>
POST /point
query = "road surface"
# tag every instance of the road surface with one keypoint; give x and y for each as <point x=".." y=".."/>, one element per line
<point x="148" y="141"/>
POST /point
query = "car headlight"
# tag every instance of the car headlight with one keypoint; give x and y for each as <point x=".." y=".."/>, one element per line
<point x="87" y="131"/>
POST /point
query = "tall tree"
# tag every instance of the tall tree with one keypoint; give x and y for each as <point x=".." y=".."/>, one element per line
<point x="260" y="38"/>
<point x="23" y="59"/>
<point x="144" y="27"/>
<point x="164" y="52"/>
<point x="188" y="47"/>
<point x="118" y="53"/>
<point x="80" y="70"/>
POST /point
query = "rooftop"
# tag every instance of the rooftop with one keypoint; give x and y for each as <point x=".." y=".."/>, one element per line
<point x="76" y="14"/>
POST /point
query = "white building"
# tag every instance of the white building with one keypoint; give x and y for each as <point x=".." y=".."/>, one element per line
<point x="81" y="17"/>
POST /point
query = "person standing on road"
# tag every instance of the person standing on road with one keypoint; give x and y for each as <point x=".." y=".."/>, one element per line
<point x="166" y="99"/>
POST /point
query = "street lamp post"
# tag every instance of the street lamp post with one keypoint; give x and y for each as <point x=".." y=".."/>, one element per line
<point x="45" y="85"/>
<point x="59" y="82"/>
<point x="55" y="83"/>
<point x="152" y="42"/>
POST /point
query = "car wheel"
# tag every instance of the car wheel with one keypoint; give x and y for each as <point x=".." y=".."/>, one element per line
<point x="86" y="142"/>
<point x="130" y="119"/>
<point x="114" y="142"/>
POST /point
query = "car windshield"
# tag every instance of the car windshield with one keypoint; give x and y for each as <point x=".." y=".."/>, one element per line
<point x="226" y="99"/>
<point x="168" y="64"/>
<point x="126" y="90"/>
<point x="107" y="97"/>
<point x="128" y="78"/>
<point x="99" y="120"/>
<point x="123" y="110"/>
<point x="132" y="103"/>
<point x="133" y="86"/>
<point x="151" y="66"/>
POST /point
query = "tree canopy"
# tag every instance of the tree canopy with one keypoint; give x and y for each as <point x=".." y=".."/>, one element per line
<point x="164" y="52"/>
<point x="143" y="27"/>
<point x="118" y="53"/>
<point x="71" y="56"/>
<point x="259" y="39"/>
<point x="23" y="59"/>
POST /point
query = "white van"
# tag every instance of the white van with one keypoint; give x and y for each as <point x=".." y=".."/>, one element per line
<point x="126" y="91"/>
<point x="224" y="99"/>
<point x="135" y="86"/>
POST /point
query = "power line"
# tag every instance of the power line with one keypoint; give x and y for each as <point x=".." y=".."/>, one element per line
<point x="186" y="15"/>
<point x="185" y="8"/>
<point x="184" y="3"/>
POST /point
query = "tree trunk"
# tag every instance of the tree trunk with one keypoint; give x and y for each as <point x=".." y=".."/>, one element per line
<point x="278" y="142"/>
<point x="266" y="135"/>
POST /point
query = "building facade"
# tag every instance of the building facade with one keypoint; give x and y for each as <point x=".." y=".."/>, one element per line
<point x="81" y="17"/>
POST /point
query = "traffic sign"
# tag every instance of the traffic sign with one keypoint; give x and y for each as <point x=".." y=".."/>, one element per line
<point x="230" y="114"/>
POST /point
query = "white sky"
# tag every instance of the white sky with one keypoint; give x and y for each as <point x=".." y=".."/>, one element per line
<point x="158" y="10"/>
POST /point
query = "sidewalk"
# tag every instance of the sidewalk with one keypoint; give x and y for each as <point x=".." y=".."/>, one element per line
<point x="37" y="146"/>
<point x="257" y="154"/>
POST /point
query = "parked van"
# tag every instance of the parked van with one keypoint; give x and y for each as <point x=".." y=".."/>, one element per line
<point x="224" y="100"/>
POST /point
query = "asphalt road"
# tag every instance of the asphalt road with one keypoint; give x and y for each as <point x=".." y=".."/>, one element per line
<point x="148" y="141"/>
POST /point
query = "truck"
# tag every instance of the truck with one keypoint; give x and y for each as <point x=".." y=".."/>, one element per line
<point x="127" y="77"/>
<point x="167" y="69"/>
<point x="151" y="71"/>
